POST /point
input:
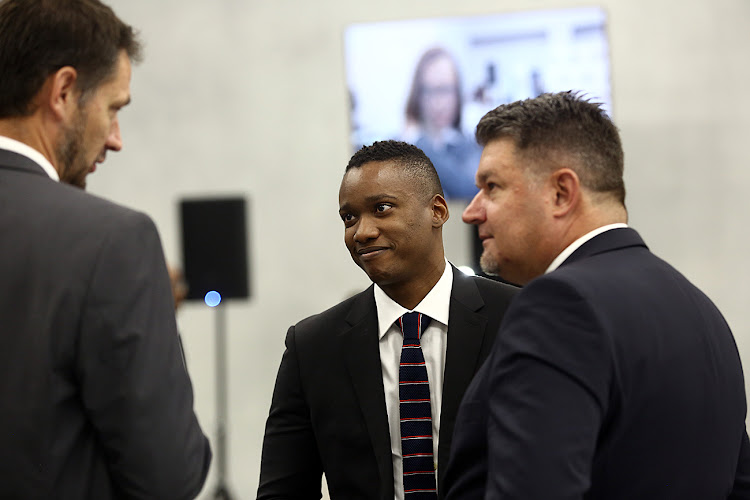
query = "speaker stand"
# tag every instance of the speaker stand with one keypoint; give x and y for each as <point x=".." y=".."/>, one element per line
<point x="220" y="454"/>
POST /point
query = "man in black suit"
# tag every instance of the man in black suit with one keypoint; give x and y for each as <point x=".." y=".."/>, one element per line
<point x="335" y="408"/>
<point x="96" y="401"/>
<point x="613" y="376"/>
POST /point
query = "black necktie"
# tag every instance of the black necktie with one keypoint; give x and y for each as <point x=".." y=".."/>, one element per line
<point x="415" y="412"/>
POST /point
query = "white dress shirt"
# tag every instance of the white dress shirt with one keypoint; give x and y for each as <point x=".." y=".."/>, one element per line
<point x="577" y="244"/>
<point x="22" y="149"/>
<point x="434" y="343"/>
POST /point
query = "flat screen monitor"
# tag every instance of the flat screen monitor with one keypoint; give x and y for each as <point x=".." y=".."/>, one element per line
<point x="429" y="81"/>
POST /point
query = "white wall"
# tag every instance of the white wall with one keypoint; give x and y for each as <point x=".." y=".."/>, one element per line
<point x="248" y="97"/>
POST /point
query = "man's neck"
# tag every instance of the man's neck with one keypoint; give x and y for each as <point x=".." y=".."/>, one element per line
<point x="16" y="139"/>
<point x="29" y="130"/>
<point x="594" y="216"/>
<point x="409" y="294"/>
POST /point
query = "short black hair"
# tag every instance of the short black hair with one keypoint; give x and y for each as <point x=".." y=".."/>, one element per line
<point x="38" y="37"/>
<point x="409" y="157"/>
<point x="564" y="124"/>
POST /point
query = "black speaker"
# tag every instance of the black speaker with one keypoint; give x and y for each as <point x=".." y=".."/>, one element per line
<point x="214" y="247"/>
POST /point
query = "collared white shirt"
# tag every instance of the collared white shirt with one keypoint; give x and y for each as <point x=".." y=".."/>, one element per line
<point x="434" y="341"/>
<point x="22" y="149"/>
<point x="578" y="243"/>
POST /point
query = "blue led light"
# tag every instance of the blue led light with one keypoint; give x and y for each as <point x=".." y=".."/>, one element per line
<point x="213" y="298"/>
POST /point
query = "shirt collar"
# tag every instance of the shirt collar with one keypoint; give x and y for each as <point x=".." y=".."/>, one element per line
<point x="436" y="303"/>
<point x="32" y="154"/>
<point x="580" y="241"/>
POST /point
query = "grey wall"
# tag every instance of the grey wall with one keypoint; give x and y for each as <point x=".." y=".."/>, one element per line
<point x="249" y="98"/>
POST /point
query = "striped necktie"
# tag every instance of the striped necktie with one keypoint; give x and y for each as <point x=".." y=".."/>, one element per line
<point x="415" y="412"/>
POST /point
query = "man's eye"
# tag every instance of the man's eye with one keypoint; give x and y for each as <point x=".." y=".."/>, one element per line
<point x="382" y="207"/>
<point x="347" y="217"/>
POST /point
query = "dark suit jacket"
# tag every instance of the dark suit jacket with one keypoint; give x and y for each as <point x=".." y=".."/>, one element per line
<point x="613" y="377"/>
<point x="96" y="402"/>
<point x="328" y="412"/>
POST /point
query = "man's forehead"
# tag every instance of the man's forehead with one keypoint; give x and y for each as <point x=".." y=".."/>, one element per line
<point x="368" y="194"/>
<point x="486" y="168"/>
<point x="371" y="187"/>
<point x="378" y="168"/>
<point x="376" y="174"/>
<point x="497" y="154"/>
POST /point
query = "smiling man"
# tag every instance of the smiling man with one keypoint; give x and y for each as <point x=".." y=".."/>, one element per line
<point x="356" y="401"/>
<point x="96" y="400"/>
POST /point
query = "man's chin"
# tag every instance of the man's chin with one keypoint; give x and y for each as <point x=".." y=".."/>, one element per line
<point x="372" y="272"/>
<point x="489" y="265"/>
<point x="376" y="274"/>
<point x="78" y="181"/>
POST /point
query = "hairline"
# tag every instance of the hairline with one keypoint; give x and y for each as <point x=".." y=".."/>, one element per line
<point x="406" y="167"/>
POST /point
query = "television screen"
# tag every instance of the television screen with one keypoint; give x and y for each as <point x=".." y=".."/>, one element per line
<point x="429" y="81"/>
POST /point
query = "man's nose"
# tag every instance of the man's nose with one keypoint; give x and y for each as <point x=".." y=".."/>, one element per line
<point x="474" y="213"/>
<point x="367" y="230"/>
<point x="114" y="140"/>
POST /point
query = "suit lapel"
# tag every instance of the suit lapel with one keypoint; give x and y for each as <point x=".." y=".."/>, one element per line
<point x="466" y="332"/>
<point x="363" y="363"/>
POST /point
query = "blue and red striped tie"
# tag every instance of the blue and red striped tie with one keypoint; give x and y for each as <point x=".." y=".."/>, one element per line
<point x="415" y="412"/>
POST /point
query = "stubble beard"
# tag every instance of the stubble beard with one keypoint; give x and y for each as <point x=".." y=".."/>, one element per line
<point x="73" y="165"/>
<point x="489" y="264"/>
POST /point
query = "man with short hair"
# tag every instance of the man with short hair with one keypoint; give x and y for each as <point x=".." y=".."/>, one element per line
<point x="613" y="376"/>
<point x="96" y="401"/>
<point x="367" y="391"/>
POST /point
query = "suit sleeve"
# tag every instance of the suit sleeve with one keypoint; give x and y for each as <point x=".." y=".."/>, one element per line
<point x="741" y="489"/>
<point x="549" y="385"/>
<point x="290" y="465"/>
<point x="134" y="384"/>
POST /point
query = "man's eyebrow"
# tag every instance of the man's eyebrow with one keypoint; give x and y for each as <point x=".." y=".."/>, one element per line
<point x="382" y="196"/>
<point x="371" y="199"/>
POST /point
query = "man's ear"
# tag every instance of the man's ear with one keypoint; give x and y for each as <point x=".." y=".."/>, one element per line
<point x="567" y="191"/>
<point x="63" y="93"/>
<point x="440" y="213"/>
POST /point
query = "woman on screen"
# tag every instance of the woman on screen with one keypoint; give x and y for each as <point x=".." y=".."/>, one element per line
<point x="433" y="123"/>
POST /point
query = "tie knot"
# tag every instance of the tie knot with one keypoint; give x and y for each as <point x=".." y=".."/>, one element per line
<point x="413" y="324"/>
